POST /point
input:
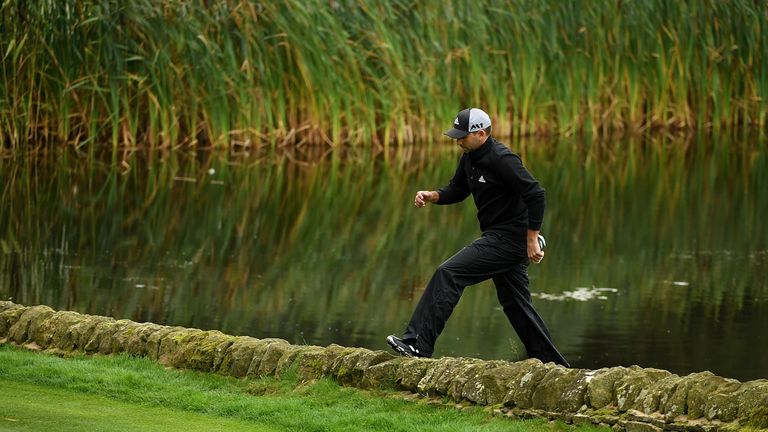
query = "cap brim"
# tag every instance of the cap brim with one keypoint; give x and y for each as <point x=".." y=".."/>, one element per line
<point x="456" y="134"/>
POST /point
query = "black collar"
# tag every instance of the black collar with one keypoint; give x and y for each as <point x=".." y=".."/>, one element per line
<point x="476" y="154"/>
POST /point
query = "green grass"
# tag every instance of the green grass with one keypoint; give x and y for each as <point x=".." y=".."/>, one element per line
<point x="124" y="393"/>
<point x="30" y="407"/>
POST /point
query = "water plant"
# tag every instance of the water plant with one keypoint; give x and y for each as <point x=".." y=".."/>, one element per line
<point x="358" y="72"/>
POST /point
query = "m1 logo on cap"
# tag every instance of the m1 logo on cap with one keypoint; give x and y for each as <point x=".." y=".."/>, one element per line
<point x="469" y="120"/>
<point x="477" y="120"/>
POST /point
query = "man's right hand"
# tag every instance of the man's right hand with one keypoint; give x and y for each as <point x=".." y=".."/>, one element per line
<point x="423" y="197"/>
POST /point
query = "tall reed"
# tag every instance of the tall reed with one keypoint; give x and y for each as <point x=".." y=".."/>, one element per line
<point x="361" y="72"/>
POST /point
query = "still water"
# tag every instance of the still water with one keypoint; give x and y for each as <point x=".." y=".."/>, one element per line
<point x="657" y="247"/>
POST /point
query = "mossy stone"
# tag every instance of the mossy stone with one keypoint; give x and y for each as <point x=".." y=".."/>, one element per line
<point x="9" y="316"/>
<point x="561" y="390"/>
<point x="487" y="382"/>
<point x="198" y="350"/>
<point x="412" y="371"/>
<point x="758" y="418"/>
<point x="221" y="351"/>
<point x="529" y="374"/>
<point x="41" y="330"/>
<point x="110" y="343"/>
<point x="26" y="325"/>
<point x="64" y="336"/>
<point x="698" y="393"/>
<point x="8" y="305"/>
<point x="292" y="356"/>
<point x="656" y="395"/>
<point x="443" y="374"/>
<point x="121" y="339"/>
<point x="601" y="386"/>
<point x="753" y="399"/>
<point x="155" y="340"/>
<point x="381" y="375"/>
<point x="458" y="376"/>
<point x="551" y="389"/>
<point x="97" y="334"/>
<point x="677" y="403"/>
<point x="315" y="364"/>
<point x="349" y="369"/>
<point x="631" y="384"/>
<point x="81" y="332"/>
<point x="136" y="338"/>
<point x="259" y="352"/>
<point x="272" y="356"/>
<point x="238" y="357"/>
<point x="344" y="362"/>
<point x="173" y="343"/>
<point x="723" y="403"/>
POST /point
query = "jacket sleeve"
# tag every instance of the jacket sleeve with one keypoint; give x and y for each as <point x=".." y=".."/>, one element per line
<point x="516" y="177"/>
<point x="457" y="189"/>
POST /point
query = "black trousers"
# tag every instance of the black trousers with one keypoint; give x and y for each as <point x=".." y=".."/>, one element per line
<point x="490" y="256"/>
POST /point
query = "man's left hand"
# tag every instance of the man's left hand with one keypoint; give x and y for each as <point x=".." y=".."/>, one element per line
<point x="535" y="254"/>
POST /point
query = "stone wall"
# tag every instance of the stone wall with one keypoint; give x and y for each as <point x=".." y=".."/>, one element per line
<point x="624" y="398"/>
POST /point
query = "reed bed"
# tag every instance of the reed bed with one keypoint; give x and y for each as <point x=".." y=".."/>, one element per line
<point x="183" y="73"/>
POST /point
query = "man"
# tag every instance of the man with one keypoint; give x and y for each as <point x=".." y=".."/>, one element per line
<point x="510" y="207"/>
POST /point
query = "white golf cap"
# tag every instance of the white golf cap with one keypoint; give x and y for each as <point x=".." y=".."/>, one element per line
<point x="467" y="121"/>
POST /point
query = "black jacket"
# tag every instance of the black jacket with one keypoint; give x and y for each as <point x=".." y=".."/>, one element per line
<point x="508" y="198"/>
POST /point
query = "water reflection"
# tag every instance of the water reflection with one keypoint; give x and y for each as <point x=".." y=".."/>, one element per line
<point x="332" y="251"/>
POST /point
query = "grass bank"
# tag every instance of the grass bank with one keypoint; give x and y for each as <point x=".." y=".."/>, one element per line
<point x="243" y="72"/>
<point x="125" y="393"/>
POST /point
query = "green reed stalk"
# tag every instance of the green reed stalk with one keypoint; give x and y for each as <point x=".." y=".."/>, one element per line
<point x="359" y="72"/>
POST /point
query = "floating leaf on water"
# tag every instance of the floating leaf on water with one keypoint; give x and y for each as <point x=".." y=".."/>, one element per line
<point x="676" y="283"/>
<point x="580" y="294"/>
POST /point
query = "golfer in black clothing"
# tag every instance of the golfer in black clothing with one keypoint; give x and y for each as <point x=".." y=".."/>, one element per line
<point x="510" y="207"/>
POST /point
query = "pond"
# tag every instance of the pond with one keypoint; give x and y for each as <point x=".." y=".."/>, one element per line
<point x="656" y="256"/>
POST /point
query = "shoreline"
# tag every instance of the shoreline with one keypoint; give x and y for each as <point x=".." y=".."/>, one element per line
<point x="625" y="398"/>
